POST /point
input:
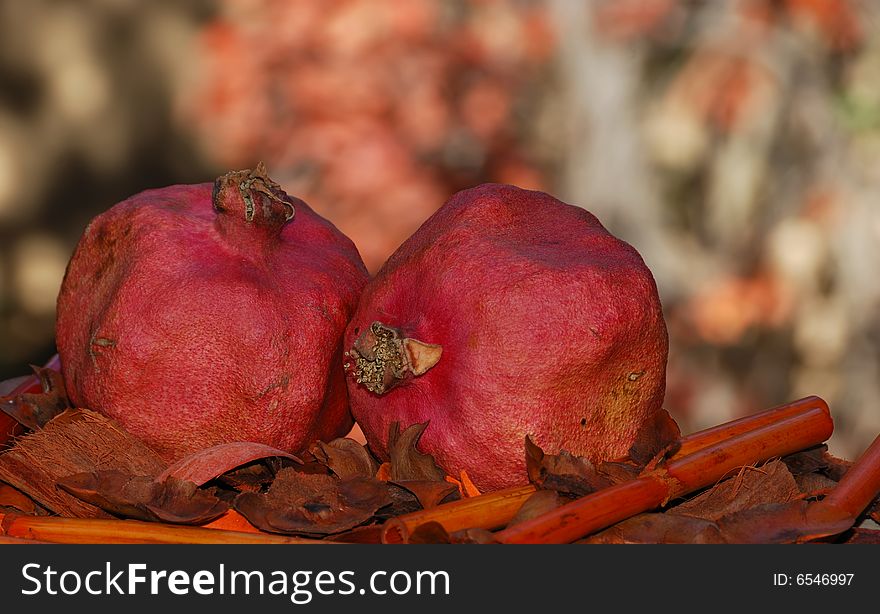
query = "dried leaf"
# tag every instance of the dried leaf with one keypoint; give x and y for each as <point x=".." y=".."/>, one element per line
<point x="407" y="463"/>
<point x="315" y="505"/>
<point x="205" y="465"/>
<point x="34" y="410"/>
<point x="345" y="457"/>
<point x="770" y="483"/>
<point x="144" y="498"/>
<point x="429" y="533"/>
<point x="563" y="472"/>
<point x="655" y="440"/>
<point x="835" y="467"/>
<point x="659" y="529"/>
<point x="862" y="536"/>
<point x="473" y="536"/>
<point x="253" y="477"/>
<point x="811" y="460"/>
<point x="539" y="503"/>
<point x="617" y="472"/>
<point x="814" y="484"/>
<point x="429" y="494"/>
<point x="76" y="441"/>
<point x="402" y="502"/>
<point x="783" y="523"/>
<point x="14" y="499"/>
<point x="369" y="534"/>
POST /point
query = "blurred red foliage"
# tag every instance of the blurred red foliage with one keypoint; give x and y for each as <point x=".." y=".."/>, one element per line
<point x="373" y="111"/>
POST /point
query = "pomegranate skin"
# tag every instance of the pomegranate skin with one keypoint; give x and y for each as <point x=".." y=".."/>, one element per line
<point x="535" y="321"/>
<point x="203" y="314"/>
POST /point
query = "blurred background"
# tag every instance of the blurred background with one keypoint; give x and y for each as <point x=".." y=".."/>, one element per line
<point x="735" y="144"/>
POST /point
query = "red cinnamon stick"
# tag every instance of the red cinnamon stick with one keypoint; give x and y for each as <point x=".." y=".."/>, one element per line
<point x="59" y="530"/>
<point x="860" y="485"/>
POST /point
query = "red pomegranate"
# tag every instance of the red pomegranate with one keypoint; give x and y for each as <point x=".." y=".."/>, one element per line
<point x="508" y="313"/>
<point x="210" y="313"/>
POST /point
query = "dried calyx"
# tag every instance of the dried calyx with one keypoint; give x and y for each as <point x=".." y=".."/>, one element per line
<point x="382" y="358"/>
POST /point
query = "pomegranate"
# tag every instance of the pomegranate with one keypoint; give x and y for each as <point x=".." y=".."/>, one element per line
<point x="508" y="313"/>
<point x="202" y="314"/>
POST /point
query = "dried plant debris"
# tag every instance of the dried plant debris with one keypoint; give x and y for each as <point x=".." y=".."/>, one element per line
<point x="540" y="503"/>
<point x="764" y="504"/>
<point x="431" y="532"/>
<point x="817" y="460"/>
<point x="861" y="536"/>
<point x="655" y="440"/>
<point x="402" y="502"/>
<point x="572" y="475"/>
<point x="814" y="485"/>
<point x="345" y="457"/>
<point x="659" y="529"/>
<point x="76" y="441"/>
<point x="253" y="477"/>
<point x="473" y="536"/>
<point x="369" y="534"/>
<point x="407" y="463"/>
<point x="430" y="494"/>
<point x="145" y="498"/>
<point x="783" y="523"/>
<point x="205" y="465"/>
<point x="313" y="505"/>
<point x="13" y="500"/>
<point x="769" y="483"/>
<point x="34" y="409"/>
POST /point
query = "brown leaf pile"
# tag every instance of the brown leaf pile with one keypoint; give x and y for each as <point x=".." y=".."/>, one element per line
<point x="81" y="464"/>
<point x="761" y="504"/>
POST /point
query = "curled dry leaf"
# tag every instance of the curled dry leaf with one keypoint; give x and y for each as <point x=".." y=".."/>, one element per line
<point x="345" y="457"/>
<point x="769" y="483"/>
<point x="655" y="440"/>
<point x="862" y="536"/>
<point x="14" y="500"/>
<point x="34" y="410"/>
<point x="817" y="460"/>
<point x="76" y="441"/>
<point x="312" y="504"/>
<point x="617" y="472"/>
<point x="402" y="502"/>
<point x="431" y="532"/>
<point x="473" y="536"/>
<point x="430" y="494"/>
<point x="783" y="523"/>
<point x="253" y="477"/>
<point x="539" y="503"/>
<point x="814" y="484"/>
<point x="407" y="463"/>
<point x="207" y="464"/>
<point x="659" y="529"/>
<point x="144" y="498"/>
<point x="563" y="472"/>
